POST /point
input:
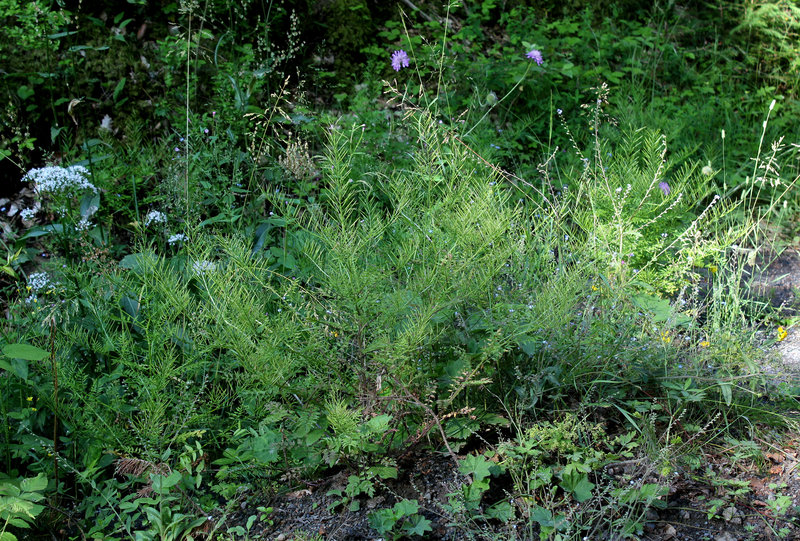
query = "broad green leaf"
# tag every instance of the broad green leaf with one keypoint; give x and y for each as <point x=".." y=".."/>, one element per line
<point x="544" y="517"/>
<point x="379" y="424"/>
<point x="382" y="521"/>
<point x="34" y="232"/>
<point x="132" y="261"/>
<point x="131" y="306"/>
<point x="24" y="92"/>
<point x="26" y="352"/>
<point x="579" y="485"/>
<point x="162" y="483"/>
<point x="502" y="511"/>
<point x="384" y="472"/>
<point x="661" y="309"/>
<point x="475" y="465"/>
<point x="529" y="345"/>
<point x="8" y="489"/>
<point x="418" y="525"/>
<point x="19" y="368"/>
<point x="727" y="395"/>
<point x="405" y="508"/>
<point x="90" y="204"/>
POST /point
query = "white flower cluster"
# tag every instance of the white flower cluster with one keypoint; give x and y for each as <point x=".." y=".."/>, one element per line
<point x="202" y="267"/>
<point x="27" y="214"/>
<point x="38" y="281"/>
<point x="62" y="180"/>
<point x="177" y="237"/>
<point x="155" y="217"/>
<point x="83" y="224"/>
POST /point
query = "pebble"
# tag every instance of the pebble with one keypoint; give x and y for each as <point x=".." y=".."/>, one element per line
<point x="728" y="513"/>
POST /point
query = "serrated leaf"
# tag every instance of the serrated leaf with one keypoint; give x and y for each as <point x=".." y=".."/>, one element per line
<point x="502" y="511"/>
<point x="579" y="485"/>
<point x="384" y="472"/>
<point x="418" y="525"/>
<point x="405" y="508"/>
<point x="382" y="521"/>
<point x="529" y="345"/>
<point x="379" y="424"/>
<point x="475" y="465"/>
<point x="34" y="484"/>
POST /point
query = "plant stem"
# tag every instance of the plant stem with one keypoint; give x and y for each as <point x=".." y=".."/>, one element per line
<point x="55" y="398"/>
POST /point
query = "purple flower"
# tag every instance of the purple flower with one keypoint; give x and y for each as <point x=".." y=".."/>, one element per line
<point x="664" y="188"/>
<point x="536" y="56"/>
<point x="399" y="60"/>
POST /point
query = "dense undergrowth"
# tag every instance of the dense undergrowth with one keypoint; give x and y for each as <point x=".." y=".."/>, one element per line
<point x="236" y="264"/>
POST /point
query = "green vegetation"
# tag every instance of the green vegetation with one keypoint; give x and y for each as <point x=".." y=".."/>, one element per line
<point x="245" y="254"/>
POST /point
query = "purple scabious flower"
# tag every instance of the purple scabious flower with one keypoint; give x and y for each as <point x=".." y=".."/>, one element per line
<point x="664" y="188"/>
<point x="536" y="56"/>
<point x="399" y="60"/>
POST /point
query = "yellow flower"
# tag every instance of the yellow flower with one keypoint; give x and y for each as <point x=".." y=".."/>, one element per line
<point x="705" y="344"/>
<point x="29" y="399"/>
<point x="782" y="334"/>
<point x="713" y="269"/>
<point x="33" y="409"/>
<point x="665" y="337"/>
<point x="595" y="288"/>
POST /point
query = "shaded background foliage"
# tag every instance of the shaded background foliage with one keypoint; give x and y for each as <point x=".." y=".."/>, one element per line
<point x="54" y="53"/>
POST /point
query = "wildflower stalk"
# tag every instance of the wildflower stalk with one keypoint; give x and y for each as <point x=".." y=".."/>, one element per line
<point x="758" y="160"/>
<point x="186" y="137"/>
<point x="507" y="94"/>
<point x="441" y="60"/>
<point x="55" y="397"/>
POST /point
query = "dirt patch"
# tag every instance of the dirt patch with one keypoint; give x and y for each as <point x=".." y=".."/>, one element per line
<point x="776" y="278"/>
<point x="312" y="511"/>
<point x="753" y="499"/>
<point x="732" y="499"/>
